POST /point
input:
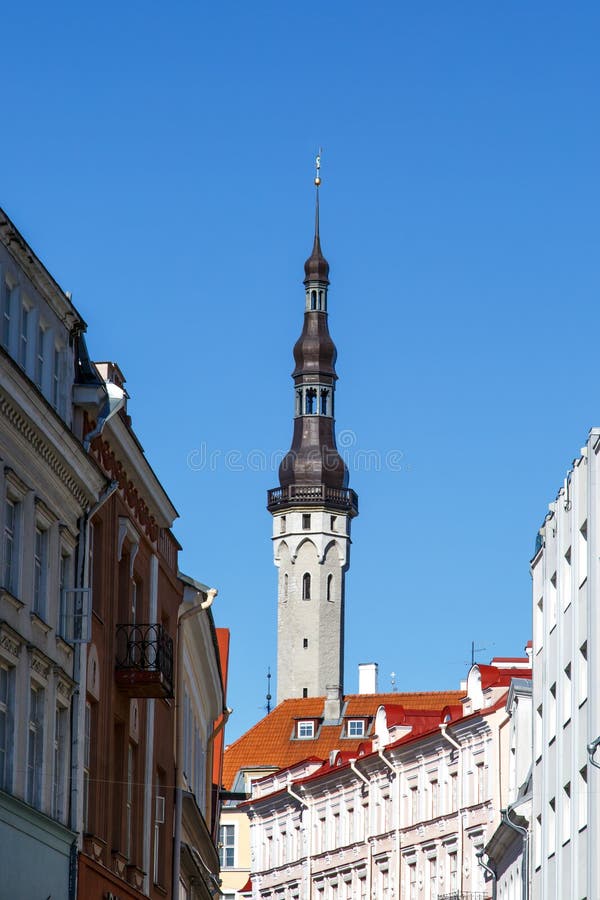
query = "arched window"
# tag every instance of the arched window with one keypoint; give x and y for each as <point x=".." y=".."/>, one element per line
<point x="329" y="587"/>
<point x="324" y="395"/>
<point x="285" y="586"/>
<point x="313" y="299"/>
<point x="299" y="403"/>
<point x="320" y="299"/>
<point x="309" y="406"/>
<point x="306" y="586"/>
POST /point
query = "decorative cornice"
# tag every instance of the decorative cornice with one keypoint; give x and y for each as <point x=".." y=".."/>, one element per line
<point x="11" y="415"/>
<point x="10" y="641"/>
<point x="115" y="470"/>
<point x="39" y="662"/>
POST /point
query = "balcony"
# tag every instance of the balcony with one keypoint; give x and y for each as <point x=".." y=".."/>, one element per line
<point x="464" y="895"/>
<point x="343" y="499"/>
<point x="144" y="664"/>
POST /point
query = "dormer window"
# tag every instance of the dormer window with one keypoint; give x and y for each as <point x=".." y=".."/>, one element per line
<point x="356" y="728"/>
<point x="305" y="730"/>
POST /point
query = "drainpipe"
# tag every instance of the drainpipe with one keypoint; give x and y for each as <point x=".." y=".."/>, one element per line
<point x="181" y="618"/>
<point x="367" y="829"/>
<point x="80" y="670"/>
<point x="308" y="806"/>
<point x="504" y="816"/>
<point x="454" y="743"/>
<point x="591" y="749"/>
<point x="380" y="754"/>
<point x="489" y="870"/>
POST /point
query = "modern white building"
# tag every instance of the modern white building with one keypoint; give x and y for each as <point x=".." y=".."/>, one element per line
<point x="47" y="485"/>
<point x="407" y="815"/>
<point x="566" y="675"/>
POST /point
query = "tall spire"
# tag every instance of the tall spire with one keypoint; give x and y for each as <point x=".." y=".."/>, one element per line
<point x="316" y="267"/>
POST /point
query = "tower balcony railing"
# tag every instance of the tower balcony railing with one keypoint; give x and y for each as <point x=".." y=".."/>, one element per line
<point x="312" y="495"/>
<point x="144" y="660"/>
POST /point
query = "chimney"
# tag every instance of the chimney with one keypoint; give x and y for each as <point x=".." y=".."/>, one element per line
<point x="333" y="704"/>
<point x="367" y="678"/>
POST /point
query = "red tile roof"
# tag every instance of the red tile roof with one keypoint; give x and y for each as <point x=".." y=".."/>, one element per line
<point x="271" y="741"/>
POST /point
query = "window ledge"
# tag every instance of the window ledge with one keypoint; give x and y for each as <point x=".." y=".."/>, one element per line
<point x="64" y="644"/>
<point x="40" y="623"/>
<point x="10" y="598"/>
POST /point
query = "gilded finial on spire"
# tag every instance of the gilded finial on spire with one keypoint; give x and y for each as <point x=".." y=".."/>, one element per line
<point x="318" y="168"/>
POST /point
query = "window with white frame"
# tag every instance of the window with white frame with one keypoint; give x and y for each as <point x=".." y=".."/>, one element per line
<point x="39" y="355"/>
<point x="551" y="826"/>
<point x="565" y="581"/>
<point x="412" y="881"/>
<point x="306" y="729"/>
<point x="583" y="553"/>
<point x="582" y="798"/>
<point x="433" y="882"/>
<point x="227" y="846"/>
<point x="356" y="728"/>
<point x="59" y="774"/>
<point x="582" y="680"/>
<point x="12" y="527"/>
<point x="129" y="840"/>
<point x="24" y="335"/>
<point x="552" y="601"/>
<point x="452" y="871"/>
<point x="65" y="583"/>
<point x="40" y="571"/>
<point x="552" y="712"/>
<point x="35" y="746"/>
<point x="566" y="693"/>
<point x="566" y="812"/>
<point x="414" y="804"/>
<point x="6" y="300"/>
<point x="86" y="765"/>
<point x="480" y="782"/>
<point x="454" y="791"/>
<point x="7" y="714"/>
<point x="57" y="391"/>
<point x="435" y="797"/>
<point x="159" y="824"/>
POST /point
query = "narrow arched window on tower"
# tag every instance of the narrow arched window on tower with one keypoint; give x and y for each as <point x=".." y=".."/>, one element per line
<point x="306" y="586"/>
<point x="329" y="588"/>
<point x="324" y="396"/>
<point x="313" y="299"/>
<point x="299" y="403"/>
<point x="285" y="587"/>
<point x="309" y="406"/>
<point x="320" y="299"/>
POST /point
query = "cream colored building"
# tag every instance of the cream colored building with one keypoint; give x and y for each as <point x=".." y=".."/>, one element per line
<point x="405" y="816"/>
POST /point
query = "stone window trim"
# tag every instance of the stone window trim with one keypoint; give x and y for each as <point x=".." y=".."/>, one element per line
<point x="128" y="530"/>
<point x="11" y="644"/>
<point x="44" y="517"/>
<point x="40" y="666"/>
<point x="65" y="687"/>
<point x="16" y="488"/>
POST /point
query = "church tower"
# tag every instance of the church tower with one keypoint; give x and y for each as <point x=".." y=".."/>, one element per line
<point x="312" y="509"/>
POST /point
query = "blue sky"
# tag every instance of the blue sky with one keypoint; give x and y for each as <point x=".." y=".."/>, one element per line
<point x="159" y="160"/>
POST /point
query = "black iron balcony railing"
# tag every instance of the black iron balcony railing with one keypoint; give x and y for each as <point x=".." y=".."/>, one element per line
<point x="312" y="495"/>
<point x="144" y="660"/>
<point x="464" y="895"/>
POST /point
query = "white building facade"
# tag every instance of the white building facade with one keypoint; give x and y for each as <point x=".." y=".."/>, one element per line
<point x="405" y="818"/>
<point x="47" y="484"/>
<point x="566" y="667"/>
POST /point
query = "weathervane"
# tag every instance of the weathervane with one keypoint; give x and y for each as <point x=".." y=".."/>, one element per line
<point x="318" y="168"/>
